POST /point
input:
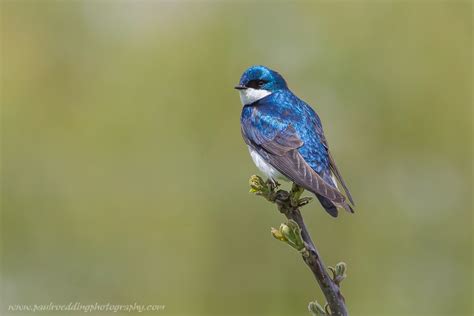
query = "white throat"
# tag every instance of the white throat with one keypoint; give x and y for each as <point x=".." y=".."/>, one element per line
<point x="250" y="95"/>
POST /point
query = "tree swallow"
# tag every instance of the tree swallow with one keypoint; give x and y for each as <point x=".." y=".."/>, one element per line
<point x="286" y="139"/>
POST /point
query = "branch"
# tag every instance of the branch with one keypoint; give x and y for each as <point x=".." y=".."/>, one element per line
<point x="295" y="234"/>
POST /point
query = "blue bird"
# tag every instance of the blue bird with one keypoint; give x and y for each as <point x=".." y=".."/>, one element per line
<point x="286" y="139"/>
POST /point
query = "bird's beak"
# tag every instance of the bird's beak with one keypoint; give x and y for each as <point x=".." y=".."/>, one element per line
<point x="240" y="87"/>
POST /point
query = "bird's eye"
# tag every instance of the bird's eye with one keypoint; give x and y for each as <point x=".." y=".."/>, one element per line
<point x="256" y="84"/>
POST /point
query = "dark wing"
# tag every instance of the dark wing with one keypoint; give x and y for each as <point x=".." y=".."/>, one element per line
<point x="332" y="163"/>
<point x="282" y="153"/>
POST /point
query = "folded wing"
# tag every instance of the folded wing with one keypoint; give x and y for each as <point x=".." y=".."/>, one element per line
<point x="332" y="162"/>
<point x="282" y="153"/>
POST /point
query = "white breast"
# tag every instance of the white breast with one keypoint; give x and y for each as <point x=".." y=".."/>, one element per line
<point x="265" y="167"/>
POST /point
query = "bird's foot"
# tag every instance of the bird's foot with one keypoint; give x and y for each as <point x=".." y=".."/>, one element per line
<point x="272" y="184"/>
<point x="295" y="196"/>
<point x="284" y="199"/>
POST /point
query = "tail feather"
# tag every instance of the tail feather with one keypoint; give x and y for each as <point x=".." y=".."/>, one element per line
<point x="331" y="208"/>
<point x="328" y="205"/>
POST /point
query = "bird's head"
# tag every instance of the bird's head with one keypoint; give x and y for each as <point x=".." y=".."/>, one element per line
<point x="257" y="82"/>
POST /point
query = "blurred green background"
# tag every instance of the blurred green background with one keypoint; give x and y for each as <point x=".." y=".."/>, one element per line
<point x="124" y="175"/>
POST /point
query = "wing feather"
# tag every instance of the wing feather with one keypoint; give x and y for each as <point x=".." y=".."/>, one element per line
<point x="332" y="163"/>
<point x="282" y="153"/>
<point x="335" y="171"/>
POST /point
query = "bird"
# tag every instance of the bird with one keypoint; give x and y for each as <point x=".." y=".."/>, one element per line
<point x="285" y="138"/>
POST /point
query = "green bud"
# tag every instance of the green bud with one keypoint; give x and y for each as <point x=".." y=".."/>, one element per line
<point x="316" y="309"/>
<point x="285" y="231"/>
<point x="276" y="233"/>
<point x="289" y="233"/>
<point x="327" y="309"/>
<point x="295" y="235"/>
<point x="341" y="268"/>
<point x="338" y="272"/>
<point x="257" y="185"/>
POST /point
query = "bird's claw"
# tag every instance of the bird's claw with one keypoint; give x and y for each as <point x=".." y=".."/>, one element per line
<point x="272" y="184"/>
<point x="295" y="195"/>
<point x="284" y="199"/>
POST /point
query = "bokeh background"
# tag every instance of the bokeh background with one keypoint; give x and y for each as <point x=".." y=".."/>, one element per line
<point x="124" y="176"/>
